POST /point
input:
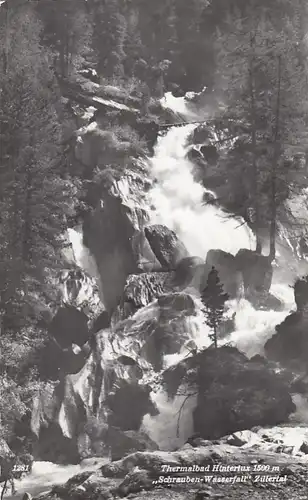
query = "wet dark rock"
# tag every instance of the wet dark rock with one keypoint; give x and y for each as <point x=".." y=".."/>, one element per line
<point x="190" y="271"/>
<point x="304" y="447"/>
<point x="289" y="345"/>
<point x="122" y="443"/>
<point x="101" y="322"/>
<point x="128" y="404"/>
<point x="235" y="394"/>
<point x="202" y="134"/>
<point x="126" y="360"/>
<point x="53" y="446"/>
<point x="145" y="257"/>
<point x="210" y="154"/>
<point x="27" y="496"/>
<point x="194" y="154"/>
<point x="301" y="294"/>
<point x="166" y="246"/>
<point x="256" y="270"/>
<point x="259" y="359"/>
<point x="140" y="290"/>
<point x="240" y="438"/>
<point x="147" y="129"/>
<point x="209" y="198"/>
<point x="69" y="326"/>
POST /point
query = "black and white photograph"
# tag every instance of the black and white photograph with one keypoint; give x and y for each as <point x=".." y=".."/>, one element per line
<point x="153" y="249"/>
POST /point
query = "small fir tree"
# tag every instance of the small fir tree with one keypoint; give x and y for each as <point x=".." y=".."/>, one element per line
<point x="213" y="299"/>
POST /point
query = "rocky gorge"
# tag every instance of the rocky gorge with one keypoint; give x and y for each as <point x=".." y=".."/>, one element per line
<point x="130" y="374"/>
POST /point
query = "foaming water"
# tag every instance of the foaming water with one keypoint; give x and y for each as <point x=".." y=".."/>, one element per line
<point x="174" y="424"/>
<point x="45" y="475"/>
<point x="82" y="255"/>
<point x="178" y="200"/>
<point x="178" y="105"/>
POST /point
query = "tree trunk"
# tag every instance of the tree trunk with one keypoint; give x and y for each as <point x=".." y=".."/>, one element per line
<point x="255" y="175"/>
<point x="215" y="336"/>
<point x="3" y="489"/>
<point x="273" y="221"/>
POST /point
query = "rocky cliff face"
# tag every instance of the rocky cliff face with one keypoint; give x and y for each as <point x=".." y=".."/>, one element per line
<point x="110" y="387"/>
<point x="109" y="232"/>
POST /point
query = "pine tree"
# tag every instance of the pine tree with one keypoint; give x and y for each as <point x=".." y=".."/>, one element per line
<point x="109" y="34"/>
<point x="263" y="78"/>
<point x="213" y="299"/>
<point x="34" y="194"/>
<point x="67" y="32"/>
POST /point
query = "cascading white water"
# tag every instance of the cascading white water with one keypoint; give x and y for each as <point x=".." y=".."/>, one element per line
<point x="82" y="255"/>
<point x="178" y="198"/>
<point x="45" y="475"/>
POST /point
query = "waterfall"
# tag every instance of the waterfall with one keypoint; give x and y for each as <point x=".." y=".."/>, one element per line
<point x="177" y="198"/>
<point x="82" y="255"/>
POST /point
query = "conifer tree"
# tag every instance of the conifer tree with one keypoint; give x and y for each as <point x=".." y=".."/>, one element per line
<point x="34" y="194"/>
<point x="67" y="32"/>
<point x="213" y="299"/>
<point x="109" y="35"/>
<point x="263" y="78"/>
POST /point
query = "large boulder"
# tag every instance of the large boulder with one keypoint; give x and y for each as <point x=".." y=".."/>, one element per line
<point x="144" y="255"/>
<point x="202" y="134"/>
<point x="256" y="271"/>
<point x="166" y="246"/>
<point x="289" y="345"/>
<point x="79" y="290"/>
<point x="232" y="393"/>
<point x="69" y="326"/>
<point x="123" y="443"/>
<point x="190" y="272"/>
<point x="160" y="329"/>
<point x="140" y="290"/>
<point x="54" y="360"/>
<point x="236" y="395"/>
<point x="301" y="294"/>
<point x="227" y="267"/>
<point x="128" y="404"/>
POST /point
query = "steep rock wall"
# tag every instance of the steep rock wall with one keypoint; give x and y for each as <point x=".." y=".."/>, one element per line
<point x="110" y="230"/>
<point x="120" y="364"/>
